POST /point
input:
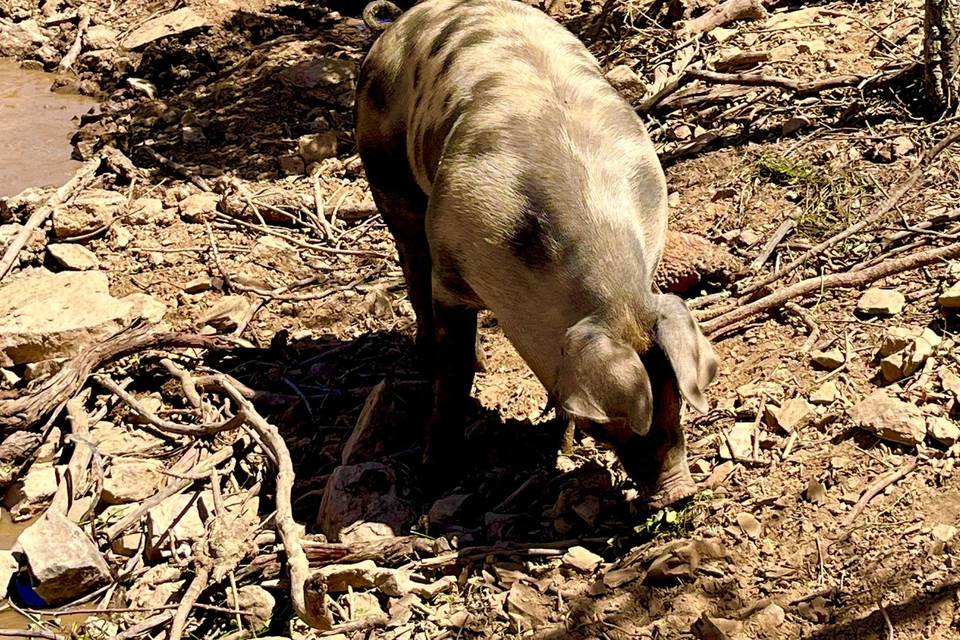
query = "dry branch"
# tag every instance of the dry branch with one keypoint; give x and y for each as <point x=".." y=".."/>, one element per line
<point x="761" y="80"/>
<point x="80" y="180"/>
<point x="66" y="63"/>
<point x="875" y="488"/>
<point x="725" y="13"/>
<point x="847" y="279"/>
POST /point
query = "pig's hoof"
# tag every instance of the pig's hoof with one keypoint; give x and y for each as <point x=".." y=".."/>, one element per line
<point x="671" y="489"/>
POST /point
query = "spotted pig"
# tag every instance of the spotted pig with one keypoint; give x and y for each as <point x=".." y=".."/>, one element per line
<point x="514" y="178"/>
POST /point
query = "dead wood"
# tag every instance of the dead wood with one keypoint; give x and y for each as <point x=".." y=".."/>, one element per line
<point x="846" y="280"/>
<point x="761" y="80"/>
<point x="871" y="492"/>
<point x="26" y="410"/>
<point x="725" y="13"/>
<point x="80" y="180"/>
<point x="68" y="60"/>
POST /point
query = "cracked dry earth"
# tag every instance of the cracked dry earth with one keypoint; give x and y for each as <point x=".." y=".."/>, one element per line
<point x="831" y="501"/>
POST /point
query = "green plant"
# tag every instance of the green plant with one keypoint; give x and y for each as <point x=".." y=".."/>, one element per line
<point x="677" y="522"/>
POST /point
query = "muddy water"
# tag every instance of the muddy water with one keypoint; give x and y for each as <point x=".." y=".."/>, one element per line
<point x="35" y="129"/>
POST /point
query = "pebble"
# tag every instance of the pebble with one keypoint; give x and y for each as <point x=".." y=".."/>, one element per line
<point x="950" y="299"/>
<point x="623" y="77"/>
<point x="825" y="393"/>
<point x="749" y="524"/>
<point x="890" y="418"/>
<point x="793" y="414"/>
<point x="943" y="430"/>
<point x="881" y="302"/>
<point x="830" y="359"/>
<point x="581" y="559"/>
<point x="72" y="256"/>
<point x="226" y="314"/>
<point x="199" y="207"/>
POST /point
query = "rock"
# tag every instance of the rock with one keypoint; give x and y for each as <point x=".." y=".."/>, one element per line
<point x="770" y="620"/>
<point x="226" y="314"/>
<point x="340" y="578"/>
<point x="129" y="543"/>
<point x="709" y="628"/>
<point x="120" y="237"/>
<point x="373" y="430"/>
<point x="825" y="393"/>
<point x="891" y="367"/>
<point x="8" y="567"/>
<point x="793" y="414"/>
<point x="198" y="285"/>
<point x="91" y="210"/>
<point x="623" y="77"/>
<point x="316" y="147"/>
<point x="169" y="24"/>
<point x="792" y="125"/>
<point x="291" y="165"/>
<point x="950" y="299"/>
<point x="366" y="491"/>
<point x="944" y="532"/>
<point x="690" y="261"/>
<point x="943" y="430"/>
<point x="364" y="605"/>
<point x="362" y="531"/>
<point x="199" y="207"/>
<point x="680" y="559"/>
<point x="112" y="440"/>
<point x="64" y="562"/>
<point x="881" y="302"/>
<point x="830" y="359"/>
<point x="177" y="517"/>
<point x="145" y="211"/>
<point x="526" y="607"/>
<point x="145" y="307"/>
<point x="450" y="511"/>
<point x="616" y="578"/>
<point x="100" y="36"/>
<point x="46" y="315"/>
<point x="950" y="383"/>
<point x="816" y="493"/>
<point x="581" y="559"/>
<point x="32" y="493"/>
<point x="31" y="250"/>
<point x="257" y="602"/>
<point x="132" y="480"/>
<point x="42" y="369"/>
<point x="73" y="256"/>
<point x="896" y="339"/>
<point x="890" y="418"/>
<point x="21" y="39"/>
<point x="157" y="587"/>
<point x="740" y="437"/>
<point x="749" y="524"/>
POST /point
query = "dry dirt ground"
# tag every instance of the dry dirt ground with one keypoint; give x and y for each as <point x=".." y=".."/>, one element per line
<point x="287" y="255"/>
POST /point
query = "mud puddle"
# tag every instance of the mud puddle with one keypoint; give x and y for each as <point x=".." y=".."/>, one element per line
<point x="35" y="129"/>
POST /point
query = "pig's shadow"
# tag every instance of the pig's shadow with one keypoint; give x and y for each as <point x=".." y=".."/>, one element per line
<point x="509" y="487"/>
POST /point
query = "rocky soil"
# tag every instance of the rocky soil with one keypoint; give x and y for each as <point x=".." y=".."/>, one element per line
<point x="210" y="414"/>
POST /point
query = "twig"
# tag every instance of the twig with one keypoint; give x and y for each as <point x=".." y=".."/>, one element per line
<point x="71" y="484"/>
<point x="83" y="177"/>
<point x="357" y="625"/>
<point x="328" y="229"/>
<point x="197" y="585"/>
<point x="847" y="279"/>
<point x="886" y="618"/>
<point x="724" y="13"/>
<point x="888" y="204"/>
<point x="871" y="492"/>
<point x="761" y="80"/>
<point x="29" y="633"/>
<point x="227" y="282"/>
<point x="71" y="56"/>
<point x="309" y="605"/>
<point x="142" y="629"/>
<point x="782" y="231"/>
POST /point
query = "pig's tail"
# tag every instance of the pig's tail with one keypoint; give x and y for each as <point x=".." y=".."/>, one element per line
<point x="380" y="14"/>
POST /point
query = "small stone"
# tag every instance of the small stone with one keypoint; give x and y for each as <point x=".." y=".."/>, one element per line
<point x="881" y="302"/>
<point x="88" y="212"/>
<point x="526" y="607"/>
<point x="131" y="480"/>
<point x="257" y="602"/>
<point x="8" y="567"/>
<point x="145" y="211"/>
<point x="950" y="299"/>
<point x="291" y="165"/>
<point x="64" y="562"/>
<point x="32" y="493"/>
<point x="950" y="382"/>
<point x="42" y="369"/>
<point x="113" y="440"/>
<point x="740" y="437"/>
<point x="198" y="285"/>
<point x="373" y="430"/>
<point x="199" y="207"/>
<point x="825" y="393"/>
<point x="747" y="238"/>
<point x="892" y="367"/>
<point x="72" y="256"/>
<point x="364" y="605"/>
<point x="944" y="532"/>
<point x="145" y="307"/>
<point x="581" y="559"/>
<point x="226" y="314"/>
<point x="890" y="418"/>
<point x="363" y="531"/>
<point x="120" y="237"/>
<point x="710" y="628"/>
<point x="340" y="578"/>
<point x="366" y="491"/>
<point x="177" y="518"/>
<point x="943" y="430"/>
<point x="100" y="36"/>
<point x="918" y="352"/>
<point x="902" y="145"/>
<point x="897" y="339"/>
<point x="792" y="125"/>
<point x="623" y="77"/>
<point x="793" y="414"/>
<point x="316" y="147"/>
<point x="749" y="524"/>
<point x="816" y="493"/>
<point x="830" y="359"/>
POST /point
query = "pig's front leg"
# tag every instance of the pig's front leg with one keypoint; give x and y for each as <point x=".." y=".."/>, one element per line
<point x="455" y="329"/>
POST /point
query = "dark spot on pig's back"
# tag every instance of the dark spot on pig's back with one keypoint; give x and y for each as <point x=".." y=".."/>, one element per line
<point x="472" y="39"/>
<point x="446" y="269"/>
<point x="374" y="86"/>
<point x="532" y="238"/>
<point x="445" y="34"/>
<point x="435" y="137"/>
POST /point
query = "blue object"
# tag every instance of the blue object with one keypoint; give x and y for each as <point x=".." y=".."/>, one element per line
<point x="25" y="592"/>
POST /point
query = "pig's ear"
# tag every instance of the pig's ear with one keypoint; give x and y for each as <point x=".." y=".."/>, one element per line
<point x="601" y="379"/>
<point x="691" y="356"/>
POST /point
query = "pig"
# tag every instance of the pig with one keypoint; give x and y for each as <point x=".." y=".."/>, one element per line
<point x="514" y="178"/>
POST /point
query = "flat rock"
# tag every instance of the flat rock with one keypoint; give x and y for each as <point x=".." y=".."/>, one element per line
<point x="749" y="524"/>
<point x="825" y="393"/>
<point x="199" y="207"/>
<point x="178" y="517"/>
<point x="943" y="430"/>
<point x="72" y="256"/>
<point x="581" y="559"/>
<point x="890" y="418"/>
<point x="315" y="147"/>
<point x="32" y="493"/>
<point x="226" y="314"/>
<point x="451" y="510"/>
<point x="64" y="562"/>
<point x="132" y="480"/>
<point x="56" y="315"/>
<point x="88" y="212"/>
<point x="171" y="24"/>
<point x="740" y="437"/>
<point x="950" y="299"/>
<point x="793" y="414"/>
<point x="373" y="430"/>
<point x="881" y="302"/>
<point x="367" y="491"/>
<point x="256" y="601"/>
<point x="526" y="607"/>
<point x="829" y="359"/>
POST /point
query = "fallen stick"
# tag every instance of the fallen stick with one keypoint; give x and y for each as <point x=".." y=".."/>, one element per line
<point x="761" y="80"/>
<point x="308" y="603"/>
<point x="83" y="177"/>
<point x="197" y="585"/>
<point x="847" y="280"/>
<point x="24" y="411"/>
<point x="725" y="13"/>
<point x="869" y="221"/>
<point x="785" y="228"/>
<point x="871" y="492"/>
<point x="66" y="63"/>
